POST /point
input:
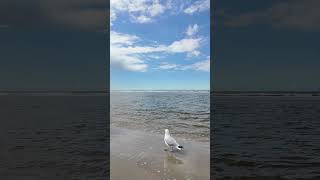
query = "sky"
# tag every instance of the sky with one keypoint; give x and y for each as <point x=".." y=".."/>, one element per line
<point x="53" y="45"/>
<point x="160" y="44"/>
<point x="63" y="45"/>
<point x="266" y="45"/>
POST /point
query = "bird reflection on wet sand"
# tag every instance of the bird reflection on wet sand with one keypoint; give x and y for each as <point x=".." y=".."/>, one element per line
<point x="144" y="157"/>
<point x="172" y="166"/>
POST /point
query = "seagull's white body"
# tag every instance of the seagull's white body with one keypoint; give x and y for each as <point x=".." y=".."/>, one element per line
<point x="170" y="141"/>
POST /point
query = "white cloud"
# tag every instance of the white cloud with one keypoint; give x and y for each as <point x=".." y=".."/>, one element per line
<point x="146" y="11"/>
<point x="142" y="19"/>
<point x="202" y="65"/>
<point x="156" y="9"/>
<point x="185" y="45"/>
<point x="198" y="66"/>
<point x="119" y="38"/>
<point x="132" y="53"/>
<point x="154" y="56"/>
<point x="194" y="53"/>
<point x="198" y="6"/>
<point x="140" y="11"/>
<point x="119" y="42"/>
<point x="167" y="66"/>
<point x="127" y="54"/>
<point x="127" y="62"/>
<point x="113" y="16"/>
<point x="192" y="30"/>
<point x="135" y="49"/>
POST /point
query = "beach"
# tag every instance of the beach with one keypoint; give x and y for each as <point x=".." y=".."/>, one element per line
<point x="140" y="155"/>
<point x="138" y="121"/>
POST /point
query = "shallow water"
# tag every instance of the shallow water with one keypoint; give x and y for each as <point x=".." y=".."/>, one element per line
<point x="266" y="137"/>
<point x="53" y="137"/>
<point x="138" y="120"/>
<point x="186" y="112"/>
<point x="136" y="154"/>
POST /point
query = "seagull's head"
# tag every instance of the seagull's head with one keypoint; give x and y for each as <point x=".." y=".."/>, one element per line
<point x="166" y="131"/>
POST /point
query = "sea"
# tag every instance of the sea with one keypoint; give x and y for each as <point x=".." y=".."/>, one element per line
<point x="54" y="136"/>
<point x="185" y="113"/>
<point x="265" y="137"/>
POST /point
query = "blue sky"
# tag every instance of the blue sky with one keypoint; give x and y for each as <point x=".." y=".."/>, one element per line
<point x="160" y="45"/>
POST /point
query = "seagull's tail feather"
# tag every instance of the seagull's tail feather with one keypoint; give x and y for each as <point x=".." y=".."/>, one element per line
<point x="179" y="147"/>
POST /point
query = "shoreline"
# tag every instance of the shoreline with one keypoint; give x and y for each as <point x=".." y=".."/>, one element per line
<point x="136" y="154"/>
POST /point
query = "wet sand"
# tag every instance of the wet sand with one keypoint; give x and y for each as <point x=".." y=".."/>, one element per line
<point x="139" y="155"/>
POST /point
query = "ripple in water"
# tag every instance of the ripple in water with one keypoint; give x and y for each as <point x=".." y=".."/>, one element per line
<point x="187" y="112"/>
<point x="266" y="137"/>
<point x="53" y="137"/>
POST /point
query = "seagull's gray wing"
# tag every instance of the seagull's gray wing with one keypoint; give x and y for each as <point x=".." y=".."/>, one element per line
<point x="171" y="141"/>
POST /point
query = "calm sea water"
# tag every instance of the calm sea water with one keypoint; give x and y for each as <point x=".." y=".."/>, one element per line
<point x="65" y="137"/>
<point x="53" y="137"/>
<point x="185" y="113"/>
<point x="266" y="137"/>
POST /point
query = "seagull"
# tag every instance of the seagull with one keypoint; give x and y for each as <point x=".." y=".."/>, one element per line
<point x="170" y="141"/>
